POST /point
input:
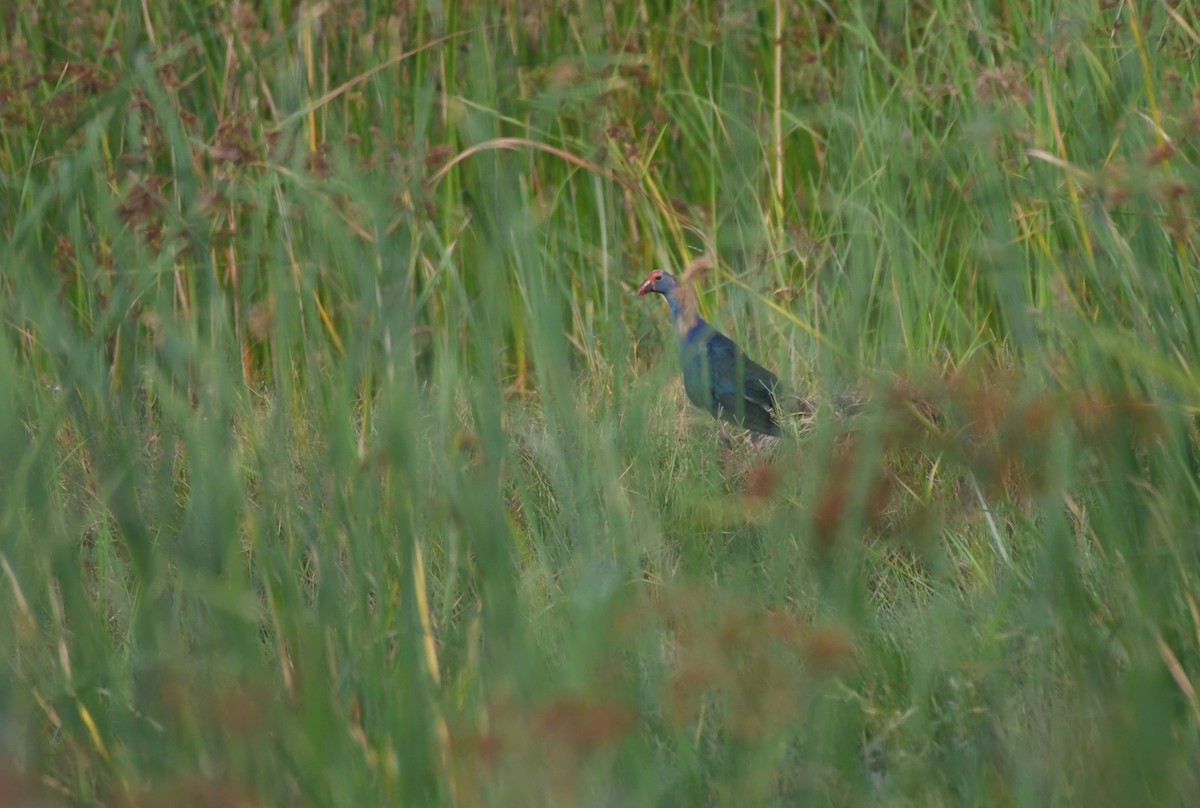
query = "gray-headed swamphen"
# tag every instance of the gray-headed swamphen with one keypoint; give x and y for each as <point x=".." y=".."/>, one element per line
<point x="717" y="375"/>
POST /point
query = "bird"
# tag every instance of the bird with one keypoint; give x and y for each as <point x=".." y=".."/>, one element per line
<point x="717" y="375"/>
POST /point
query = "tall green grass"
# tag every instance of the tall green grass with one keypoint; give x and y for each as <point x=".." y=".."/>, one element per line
<point x="341" y="466"/>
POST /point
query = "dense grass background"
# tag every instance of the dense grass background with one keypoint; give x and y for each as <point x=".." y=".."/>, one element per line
<point x="341" y="467"/>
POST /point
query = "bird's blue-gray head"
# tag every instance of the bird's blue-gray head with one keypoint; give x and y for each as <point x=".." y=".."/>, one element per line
<point x="659" y="281"/>
<point x="679" y="296"/>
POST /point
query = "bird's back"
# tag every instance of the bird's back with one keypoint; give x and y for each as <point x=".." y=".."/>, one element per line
<point x="720" y="379"/>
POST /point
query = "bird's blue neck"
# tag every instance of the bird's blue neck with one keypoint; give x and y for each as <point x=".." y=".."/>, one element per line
<point x="676" y="307"/>
<point x="688" y="324"/>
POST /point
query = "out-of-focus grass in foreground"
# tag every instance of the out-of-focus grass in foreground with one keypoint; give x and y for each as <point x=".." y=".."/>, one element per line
<point x="341" y="467"/>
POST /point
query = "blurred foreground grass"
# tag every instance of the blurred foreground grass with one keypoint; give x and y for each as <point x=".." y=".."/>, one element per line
<point x="341" y="467"/>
